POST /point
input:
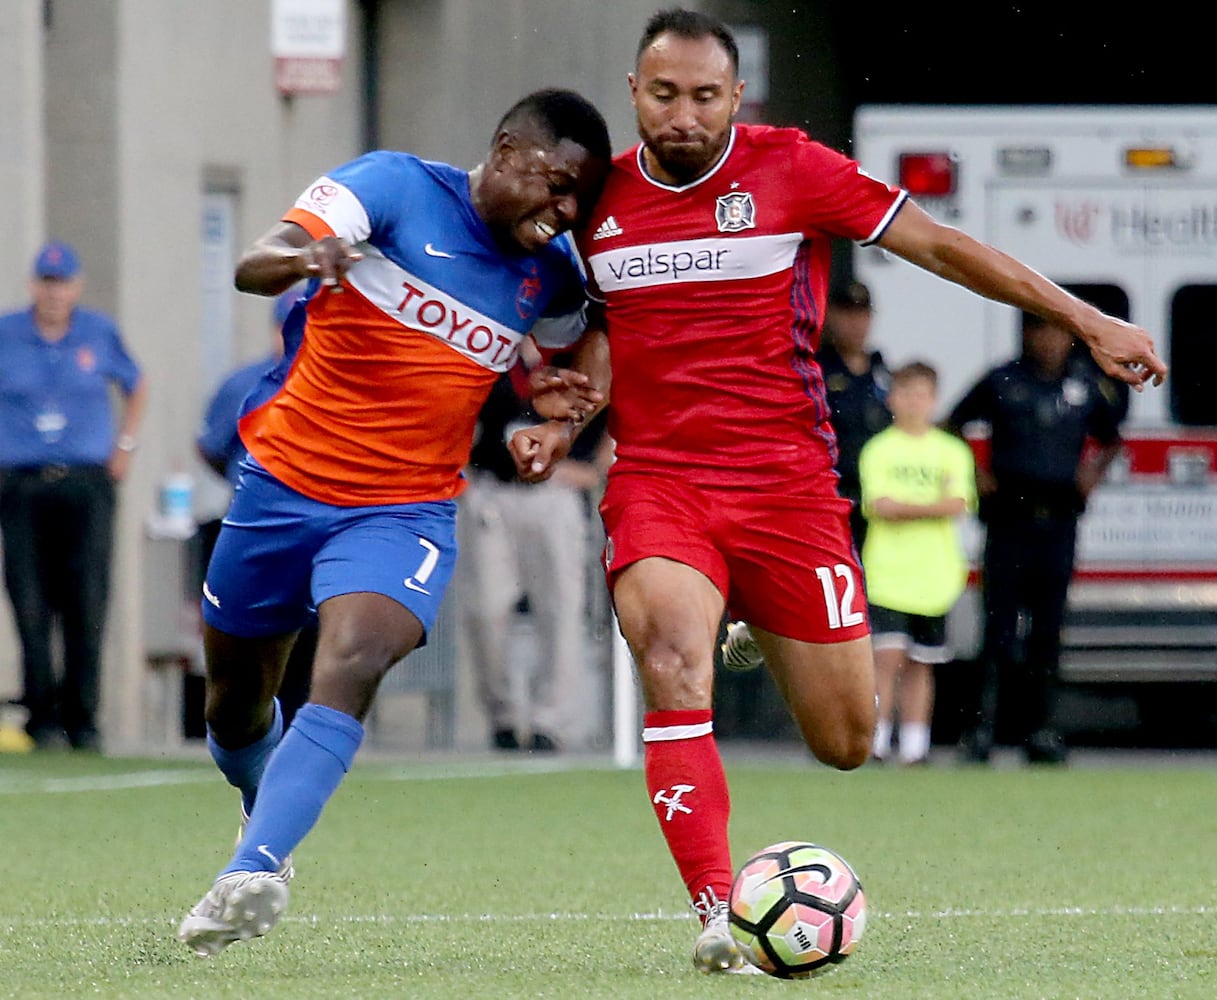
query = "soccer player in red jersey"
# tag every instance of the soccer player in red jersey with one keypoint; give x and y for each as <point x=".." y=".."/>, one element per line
<point x="709" y="251"/>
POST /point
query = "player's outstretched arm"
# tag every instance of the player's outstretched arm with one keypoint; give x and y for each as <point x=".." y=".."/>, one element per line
<point x="287" y="253"/>
<point x="581" y="391"/>
<point x="1122" y="350"/>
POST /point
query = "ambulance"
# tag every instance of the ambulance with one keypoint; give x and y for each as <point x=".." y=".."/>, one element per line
<point x="1119" y="205"/>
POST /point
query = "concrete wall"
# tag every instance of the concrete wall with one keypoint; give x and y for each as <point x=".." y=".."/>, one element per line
<point x="121" y="115"/>
<point x="22" y="143"/>
<point x="450" y="68"/>
<point x="198" y="111"/>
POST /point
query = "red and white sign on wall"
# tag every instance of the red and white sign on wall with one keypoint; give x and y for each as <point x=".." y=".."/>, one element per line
<point x="308" y="42"/>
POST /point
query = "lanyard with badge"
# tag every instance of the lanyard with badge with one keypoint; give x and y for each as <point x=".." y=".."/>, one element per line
<point x="50" y="421"/>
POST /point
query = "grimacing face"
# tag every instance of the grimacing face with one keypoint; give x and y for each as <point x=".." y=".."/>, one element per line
<point x="685" y="95"/>
<point x="531" y="189"/>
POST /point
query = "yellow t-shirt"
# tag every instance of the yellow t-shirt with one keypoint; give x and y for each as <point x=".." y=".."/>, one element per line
<point x="918" y="566"/>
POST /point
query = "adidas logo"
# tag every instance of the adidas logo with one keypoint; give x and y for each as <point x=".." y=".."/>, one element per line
<point x="606" y="229"/>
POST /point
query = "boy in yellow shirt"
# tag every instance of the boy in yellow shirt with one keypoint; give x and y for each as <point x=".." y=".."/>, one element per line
<point x="916" y="481"/>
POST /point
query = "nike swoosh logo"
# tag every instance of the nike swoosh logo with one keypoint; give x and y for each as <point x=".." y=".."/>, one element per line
<point x="430" y="251"/>
<point x="414" y="586"/>
<point x="263" y="849"/>
<point x="823" y="870"/>
<point x="211" y="598"/>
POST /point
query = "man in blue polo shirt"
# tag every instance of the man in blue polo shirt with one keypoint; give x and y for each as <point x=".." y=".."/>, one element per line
<point x="61" y="455"/>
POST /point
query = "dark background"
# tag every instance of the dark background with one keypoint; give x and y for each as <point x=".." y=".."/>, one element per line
<point x="827" y="58"/>
<point x="986" y="53"/>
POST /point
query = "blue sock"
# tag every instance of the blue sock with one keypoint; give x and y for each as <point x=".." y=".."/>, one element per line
<point x="243" y="768"/>
<point x="302" y="775"/>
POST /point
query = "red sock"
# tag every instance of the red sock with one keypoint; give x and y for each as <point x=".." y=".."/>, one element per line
<point x="688" y="791"/>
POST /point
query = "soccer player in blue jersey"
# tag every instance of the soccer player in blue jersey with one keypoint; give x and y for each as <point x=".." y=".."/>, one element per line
<point x="428" y="278"/>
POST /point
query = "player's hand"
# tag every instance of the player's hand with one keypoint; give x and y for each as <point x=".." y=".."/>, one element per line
<point x="563" y="394"/>
<point x="1124" y="352"/>
<point x="329" y="259"/>
<point x="538" y="450"/>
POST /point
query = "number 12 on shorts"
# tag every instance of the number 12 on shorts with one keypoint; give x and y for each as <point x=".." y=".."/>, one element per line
<point x="841" y="613"/>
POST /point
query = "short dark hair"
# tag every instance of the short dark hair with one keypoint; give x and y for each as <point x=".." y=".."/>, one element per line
<point x="850" y="295"/>
<point x="1031" y="321"/>
<point x="689" y="24"/>
<point x="561" y="114"/>
<point x="916" y="369"/>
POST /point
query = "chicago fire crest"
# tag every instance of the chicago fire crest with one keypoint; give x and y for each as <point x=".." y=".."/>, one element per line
<point x="735" y="212"/>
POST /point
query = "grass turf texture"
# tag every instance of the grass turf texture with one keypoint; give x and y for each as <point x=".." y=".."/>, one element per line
<point x="482" y="879"/>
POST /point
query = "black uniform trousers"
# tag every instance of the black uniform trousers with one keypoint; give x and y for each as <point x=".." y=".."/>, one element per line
<point x="58" y="529"/>
<point x="1028" y="563"/>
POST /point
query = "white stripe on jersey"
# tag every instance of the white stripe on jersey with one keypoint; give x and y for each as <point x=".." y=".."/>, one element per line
<point x="887" y="218"/>
<point x="719" y="258"/>
<point x="334" y="204"/>
<point x="661" y="734"/>
<point x="415" y="304"/>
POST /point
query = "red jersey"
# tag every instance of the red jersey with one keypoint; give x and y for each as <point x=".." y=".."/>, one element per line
<point x="714" y="295"/>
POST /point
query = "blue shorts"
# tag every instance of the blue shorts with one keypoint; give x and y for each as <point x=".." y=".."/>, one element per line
<point x="279" y="555"/>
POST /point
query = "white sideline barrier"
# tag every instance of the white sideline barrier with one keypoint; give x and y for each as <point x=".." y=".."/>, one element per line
<point x="625" y="703"/>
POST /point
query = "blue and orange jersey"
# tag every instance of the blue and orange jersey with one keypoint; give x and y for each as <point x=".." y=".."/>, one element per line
<point x="376" y="399"/>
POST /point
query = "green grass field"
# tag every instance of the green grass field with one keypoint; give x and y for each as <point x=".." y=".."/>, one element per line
<point x="480" y="879"/>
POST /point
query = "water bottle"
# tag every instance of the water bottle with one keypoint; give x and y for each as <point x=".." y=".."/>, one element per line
<point x="177" y="505"/>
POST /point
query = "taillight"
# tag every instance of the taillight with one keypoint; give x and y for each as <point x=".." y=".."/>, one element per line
<point x="933" y="175"/>
<point x="1154" y="158"/>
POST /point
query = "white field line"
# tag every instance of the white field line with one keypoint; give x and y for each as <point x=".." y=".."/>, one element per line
<point x="23" y="785"/>
<point x="374" y="770"/>
<point x="12" y="922"/>
<point x="15" y="785"/>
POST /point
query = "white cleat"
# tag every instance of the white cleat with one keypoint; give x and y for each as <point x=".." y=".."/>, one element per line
<point x="715" y="949"/>
<point x="739" y="649"/>
<point x="239" y="906"/>
<point x="286" y="869"/>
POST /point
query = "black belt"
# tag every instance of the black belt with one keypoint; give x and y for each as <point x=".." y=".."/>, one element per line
<point x="51" y="473"/>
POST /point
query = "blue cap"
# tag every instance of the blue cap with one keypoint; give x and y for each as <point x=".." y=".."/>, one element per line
<point x="284" y="303"/>
<point x="57" y="261"/>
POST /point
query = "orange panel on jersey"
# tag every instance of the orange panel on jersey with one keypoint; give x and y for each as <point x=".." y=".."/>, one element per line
<point x="371" y="412"/>
<point x="307" y="221"/>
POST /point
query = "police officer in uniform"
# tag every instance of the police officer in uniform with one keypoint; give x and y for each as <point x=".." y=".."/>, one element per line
<point x="62" y="451"/>
<point x="857" y="382"/>
<point x="1041" y="409"/>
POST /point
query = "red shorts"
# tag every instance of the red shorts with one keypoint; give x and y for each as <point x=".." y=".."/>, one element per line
<point x="783" y="562"/>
